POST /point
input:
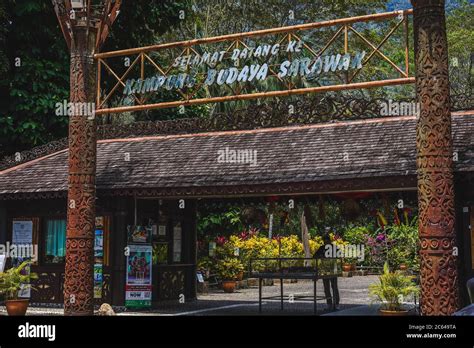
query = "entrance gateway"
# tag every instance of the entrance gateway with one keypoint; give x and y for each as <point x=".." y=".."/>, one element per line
<point x="189" y="66"/>
<point x="232" y="67"/>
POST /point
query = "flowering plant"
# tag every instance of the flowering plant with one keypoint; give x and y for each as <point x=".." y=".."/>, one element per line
<point x="220" y="240"/>
<point x="229" y="268"/>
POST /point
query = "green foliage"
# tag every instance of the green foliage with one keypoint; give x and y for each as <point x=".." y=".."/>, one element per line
<point x="357" y="234"/>
<point x="3" y="34"/>
<point x="160" y="253"/>
<point x="144" y="23"/>
<point x="219" y="220"/>
<point x="36" y="76"/>
<point x="393" y="287"/>
<point x="141" y="23"/>
<point x="460" y="30"/>
<point x="205" y="264"/>
<point x="12" y="280"/>
<point x="405" y="246"/>
<point x="29" y="30"/>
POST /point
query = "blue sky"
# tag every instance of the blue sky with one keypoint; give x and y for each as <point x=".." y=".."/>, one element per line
<point x="403" y="4"/>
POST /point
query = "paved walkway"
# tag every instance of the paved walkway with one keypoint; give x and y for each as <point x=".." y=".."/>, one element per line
<point x="353" y="293"/>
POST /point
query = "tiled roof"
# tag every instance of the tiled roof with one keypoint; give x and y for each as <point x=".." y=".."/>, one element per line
<point x="345" y="150"/>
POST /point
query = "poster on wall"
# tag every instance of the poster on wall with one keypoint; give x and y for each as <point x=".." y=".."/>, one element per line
<point x="98" y="262"/>
<point x="139" y="234"/>
<point x="138" y="283"/>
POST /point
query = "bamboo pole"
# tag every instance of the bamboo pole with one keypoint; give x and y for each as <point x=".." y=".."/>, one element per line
<point x="342" y="21"/>
<point x="407" y="43"/>
<point x="370" y="84"/>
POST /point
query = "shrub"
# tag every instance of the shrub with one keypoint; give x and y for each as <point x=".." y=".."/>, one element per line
<point x="405" y="244"/>
<point x="229" y="268"/>
<point x="356" y="234"/>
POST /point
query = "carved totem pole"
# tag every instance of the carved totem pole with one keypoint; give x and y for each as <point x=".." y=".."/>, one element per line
<point x="439" y="280"/>
<point x="85" y="25"/>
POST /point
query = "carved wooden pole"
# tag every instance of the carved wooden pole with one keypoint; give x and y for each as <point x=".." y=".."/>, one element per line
<point x="439" y="281"/>
<point x="79" y="276"/>
<point x="85" y="28"/>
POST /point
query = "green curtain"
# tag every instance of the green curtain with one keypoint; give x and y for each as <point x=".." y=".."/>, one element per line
<point x="56" y="237"/>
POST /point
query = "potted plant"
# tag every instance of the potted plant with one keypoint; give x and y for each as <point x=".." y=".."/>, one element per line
<point x="11" y="282"/>
<point x="346" y="265"/>
<point x="228" y="269"/>
<point x="204" y="265"/>
<point x="391" y="290"/>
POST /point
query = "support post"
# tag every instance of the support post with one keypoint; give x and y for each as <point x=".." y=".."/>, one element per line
<point x="119" y="242"/>
<point x="3" y="223"/>
<point x="79" y="280"/>
<point x="439" y="275"/>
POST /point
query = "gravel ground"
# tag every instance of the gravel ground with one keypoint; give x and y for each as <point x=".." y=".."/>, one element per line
<point x="353" y="293"/>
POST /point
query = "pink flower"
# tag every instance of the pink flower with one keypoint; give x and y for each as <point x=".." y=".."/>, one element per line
<point x="220" y="240"/>
<point x="244" y="235"/>
<point x="253" y="231"/>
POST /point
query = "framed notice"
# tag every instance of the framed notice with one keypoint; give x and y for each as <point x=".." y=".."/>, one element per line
<point x="22" y="232"/>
